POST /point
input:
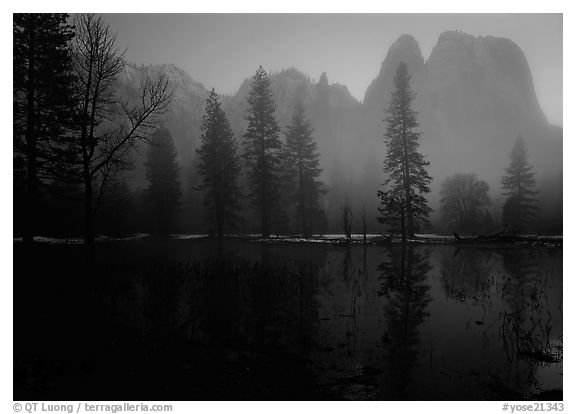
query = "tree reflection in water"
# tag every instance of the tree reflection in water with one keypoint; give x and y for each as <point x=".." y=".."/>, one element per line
<point x="242" y="320"/>
<point x="466" y="273"/>
<point x="404" y="277"/>
<point x="519" y="326"/>
<point x="527" y="325"/>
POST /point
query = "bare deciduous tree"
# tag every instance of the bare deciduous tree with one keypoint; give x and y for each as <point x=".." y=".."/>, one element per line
<point x="464" y="200"/>
<point x="364" y="225"/>
<point x="108" y="126"/>
<point x="347" y="218"/>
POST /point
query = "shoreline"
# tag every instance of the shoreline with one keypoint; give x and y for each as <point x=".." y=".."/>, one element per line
<point x="549" y="241"/>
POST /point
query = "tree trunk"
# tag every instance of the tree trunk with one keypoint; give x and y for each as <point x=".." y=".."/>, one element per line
<point x="32" y="180"/>
<point x="409" y="214"/>
<point x="303" y="211"/>
<point x="31" y="198"/>
<point x="88" y="220"/>
<point x="407" y="183"/>
<point x="265" y="210"/>
<point x="304" y="222"/>
<point x="264" y="197"/>
<point x="31" y="140"/>
<point x="265" y="222"/>
<point x="220" y="220"/>
<point x="403" y="226"/>
<point x="364" y="226"/>
<point x="306" y="227"/>
<point x="407" y="258"/>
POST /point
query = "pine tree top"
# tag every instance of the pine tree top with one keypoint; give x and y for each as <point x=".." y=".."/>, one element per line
<point x="301" y="149"/>
<point x="519" y="177"/>
<point x="262" y="123"/>
<point x="162" y="169"/>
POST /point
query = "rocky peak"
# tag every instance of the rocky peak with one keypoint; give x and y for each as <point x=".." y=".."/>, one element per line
<point x="406" y="44"/>
<point x="455" y="36"/>
<point x="475" y="75"/>
<point x="404" y="49"/>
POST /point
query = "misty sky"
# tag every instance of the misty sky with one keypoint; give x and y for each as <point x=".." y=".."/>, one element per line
<point x="222" y="50"/>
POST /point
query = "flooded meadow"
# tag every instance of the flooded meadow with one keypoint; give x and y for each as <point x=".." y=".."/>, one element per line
<point x="247" y="320"/>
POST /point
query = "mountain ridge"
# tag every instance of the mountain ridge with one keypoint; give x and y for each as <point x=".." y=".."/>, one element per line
<point x="474" y="96"/>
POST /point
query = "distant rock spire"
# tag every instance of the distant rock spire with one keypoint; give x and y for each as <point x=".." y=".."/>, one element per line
<point x="404" y="49"/>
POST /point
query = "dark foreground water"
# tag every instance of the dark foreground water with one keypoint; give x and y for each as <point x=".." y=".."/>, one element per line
<point x="199" y="320"/>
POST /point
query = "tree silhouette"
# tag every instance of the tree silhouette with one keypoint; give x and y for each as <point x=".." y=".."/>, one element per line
<point x="347" y="218"/>
<point x="43" y="105"/>
<point x="393" y="210"/>
<point x="263" y="152"/>
<point x="303" y="170"/>
<point x="408" y="178"/>
<point x="108" y="127"/>
<point x="463" y="200"/>
<point x="517" y="184"/>
<point x="219" y="166"/>
<point x="162" y="172"/>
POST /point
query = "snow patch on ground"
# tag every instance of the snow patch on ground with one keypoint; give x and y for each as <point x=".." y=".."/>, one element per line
<point x="317" y="238"/>
<point x="188" y="236"/>
<point x="56" y="240"/>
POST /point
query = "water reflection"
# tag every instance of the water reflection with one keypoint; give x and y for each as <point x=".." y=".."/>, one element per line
<point x="405" y="322"/>
<point x="466" y="273"/>
<point x="404" y="277"/>
<point x="529" y="334"/>
<point x="518" y="295"/>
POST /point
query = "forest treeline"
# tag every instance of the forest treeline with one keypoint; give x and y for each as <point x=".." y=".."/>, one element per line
<point x="76" y="138"/>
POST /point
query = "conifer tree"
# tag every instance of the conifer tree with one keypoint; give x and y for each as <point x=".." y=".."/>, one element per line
<point x="162" y="172"/>
<point x="43" y="91"/>
<point x="403" y="203"/>
<point x="219" y="167"/>
<point x="392" y="210"/>
<point x="303" y="170"/>
<point x="518" y="185"/>
<point x="263" y="152"/>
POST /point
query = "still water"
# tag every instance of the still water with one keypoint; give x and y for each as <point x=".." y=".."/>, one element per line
<point x="384" y="323"/>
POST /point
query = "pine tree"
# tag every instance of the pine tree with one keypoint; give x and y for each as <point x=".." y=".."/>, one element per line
<point x="43" y="92"/>
<point x="263" y="152"/>
<point x="403" y="204"/>
<point x="219" y="166"/>
<point x="393" y="210"/>
<point x="303" y="170"/>
<point x="517" y="184"/>
<point x="162" y="172"/>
